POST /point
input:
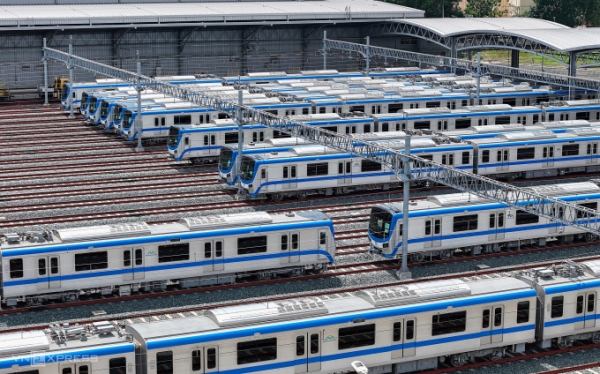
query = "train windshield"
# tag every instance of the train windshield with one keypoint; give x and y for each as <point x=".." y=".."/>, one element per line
<point x="118" y="113"/>
<point x="84" y="100"/>
<point x="225" y="158"/>
<point x="173" y="136"/>
<point x="104" y="109"/>
<point x="127" y="119"/>
<point x="93" y="102"/>
<point x="380" y="223"/>
<point x="247" y="168"/>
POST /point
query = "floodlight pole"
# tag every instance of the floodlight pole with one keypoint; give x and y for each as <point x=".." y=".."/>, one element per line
<point x="324" y="50"/>
<point x="404" y="273"/>
<point x="138" y="125"/>
<point x="238" y="160"/>
<point x="45" y="60"/>
<point x="70" y="66"/>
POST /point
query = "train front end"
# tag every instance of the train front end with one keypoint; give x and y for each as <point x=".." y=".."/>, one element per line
<point x="227" y="170"/>
<point x="174" y="143"/>
<point x="381" y="233"/>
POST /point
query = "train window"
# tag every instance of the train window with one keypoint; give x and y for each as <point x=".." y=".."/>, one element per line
<point x="368" y="165"/>
<point x="485" y="319"/>
<point x="293" y="172"/>
<point x="16" y="268"/>
<point x="67" y="371"/>
<point x="42" y="266"/>
<point x="536" y="118"/>
<point x="551" y="117"/>
<point x="394" y="108"/>
<point x="205" y="139"/>
<point x="397" y="331"/>
<point x="164" y="362"/>
<point x="284" y="242"/>
<point x="570" y="149"/>
<point x="117" y="365"/>
<point x="466" y="158"/>
<point x="138" y="257"/>
<point x="462" y="123"/>
<point x="330" y="128"/>
<point x="593" y="206"/>
<point x="504" y="120"/>
<point x="510" y="101"/>
<point x="83" y="369"/>
<point x="556" y="310"/>
<point x="385" y="127"/>
<point x="196" y="360"/>
<point x="428" y="227"/>
<point x="300" y="345"/>
<point x="182" y="120"/>
<point x="410" y="330"/>
<point x="211" y="358"/>
<point x="186" y="141"/>
<point x="317" y="169"/>
<point x="285" y="172"/>
<point x="256" y="351"/>
<point x="498" y="317"/>
<point x="295" y="241"/>
<point x="524" y="218"/>
<point x="91" y="261"/>
<point x="597" y="116"/>
<point x="304" y="110"/>
<point x="448" y="159"/>
<point x="579" y="305"/>
<point x="207" y="250"/>
<point x="340" y="168"/>
<point x="322" y="238"/>
<point x="356" y="336"/>
<point x="525" y="153"/>
<point x="156" y="122"/>
<point x="231" y="138"/>
<point x="218" y="249"/>
<point x="433" y="104"/>
<point x="263" y="173"/>
<point x="465" y="223"/>
<point x="127" y="258"/>
<point x="367" y="128"/>
<point x="378" y="109"/>
<point x="174" y="252"/>
<point x="314" y="343"/>
<point x="448" y="323"/>
<point x="422" y="125"/>
<point x="500" y="219"/>
<point x="485" y="156"/>
<point x="437" y="226"/>
<point x="261" y="136"/>
<point x="492" y="221"/>
<point x="523" y="312"/>
<point x="591" y="302"/>
<point x="464" y="103"/>
<point x="254" y="137"/>
<point x="54" y="265"/>
<point x="322" y="109"/>
<point x="254" y="244"/>
<point x="592" y="149"/>
<point x="314" y="110"/>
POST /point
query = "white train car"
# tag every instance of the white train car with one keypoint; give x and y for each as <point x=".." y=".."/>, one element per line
<point x="394" y="329"/>
<point x="196" y="251"/>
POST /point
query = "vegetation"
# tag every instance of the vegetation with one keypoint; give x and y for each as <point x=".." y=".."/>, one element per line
<point x="433" y="8"/>
<point x="482" y="8"/>
<point x="568" y="12"/>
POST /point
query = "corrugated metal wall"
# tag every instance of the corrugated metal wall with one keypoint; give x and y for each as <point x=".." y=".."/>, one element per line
<point x="221" y="51"/>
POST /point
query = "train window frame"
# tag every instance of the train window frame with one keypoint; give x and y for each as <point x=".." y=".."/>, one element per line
<point x="295" y="241"/>
<point x="570" y="149"/>
<point x="467" y="222"/>
<point x="258" y="350"/>
<point x="305" y="111"/>
<point x="167" y="360"/>
<point x="485" y="156"/>
<point x="536" y="118"/>
<point x="183" y="119"/>
<point x="397" y="331"/>
<point x="300" y="345"/>
<point x="582" y="116"/>
<point x="16" y="268"/>
<point x="42" y="266"/>
<point x="433" y="104"/>
<point x="211" y="358"/>
<point x="502" y="120"/>
<point x="527" y="153"/>
<point x="422" y="125"/>
<point x="462" y="123"/>
<point x="251" y="244"/>
<point x="218" y="249"/>
<point x="557" y="306"/>
<point x="127" y="258"/>
<point x="138" y="256"/>
<point x="579" y="304"/>
<point x="385" y="127"/>
<point x="348" y="336"/>
<point x="173" y="252"/>
<point x="492" y="220"/>
<point x="314" y="344"/>
<point x="207" y="249"/>
<point x="91" y="261"/>
<point x="322" y="238"/>
<point x="498" y="312"/>
<point x="231" y="137"/>
<point x="409" y="330"/>
<point x="284" y="242"/>
<point x="367" y="128"/>
<point x="524" y="218"/>
<point x="466" y="158"/>
<point x="395" y="107"/>
<point x="485" y="318"/>
<point x="591" y="302"/>
<point x="54" y="265"/>
<point x="196" y="360"/>
<point x="368" y="165"/>
<point x="263" y="173"/>
<point x="592" y="205"/>
<point x="446" y="323"/>
<point x="316" y="169"/>
<point x="117" y="365"/>
<point x="428" y="227"/>
<point x="500" y="219"/>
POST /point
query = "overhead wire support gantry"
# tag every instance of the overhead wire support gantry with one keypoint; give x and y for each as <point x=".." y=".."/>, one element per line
<point x="420" y="169"/>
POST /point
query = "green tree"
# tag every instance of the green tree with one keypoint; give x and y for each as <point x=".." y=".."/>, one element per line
<point x="433" y="8"/>
<point x="482" y="8"/>
<point x="568" y="12"/>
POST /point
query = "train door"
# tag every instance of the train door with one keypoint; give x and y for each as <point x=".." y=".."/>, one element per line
<point x="496" y="226"/>
<point x="491" y="328"/>
<point x="404" y="338"/>
<point x="49" y="267"/>
<point x="75" y="368"/>
<point x="345" y="172"/>
<point x="502" y="160"/>
<point x="548" y="156"/>
<point x="592" y="151"/>
<point x="290" y="174"/>
<point x="210" y="144"/>
<point x="290" y="244"/>
<point x="213" y="255"/>
<point x="133" y="259"/>
<point x="309" y="355"/>
<point x="586" y="308"/>
<point x="433" y="230"/>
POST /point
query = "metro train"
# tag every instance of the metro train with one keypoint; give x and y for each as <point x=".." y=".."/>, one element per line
<point x="390" y="329"/>
<point x="127" y="257"/>
<point x="443" y="224"/>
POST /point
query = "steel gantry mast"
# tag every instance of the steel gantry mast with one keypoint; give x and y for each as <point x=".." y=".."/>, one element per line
<point x="518" y="198"/>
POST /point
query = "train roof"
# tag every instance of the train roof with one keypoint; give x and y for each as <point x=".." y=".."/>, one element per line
<point x="539" y="135"/>
<point x="270" y="143"/>
<point x="97" y="236"/>
<point x="284" y="315"/>
<point x="565" y="277"/>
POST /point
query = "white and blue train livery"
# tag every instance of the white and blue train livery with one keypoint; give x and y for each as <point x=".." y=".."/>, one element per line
<point x="202" y="143"/>
<point x="123" y="258"/>
<point x="443" y="224"/>
<point x="588" y="110"/>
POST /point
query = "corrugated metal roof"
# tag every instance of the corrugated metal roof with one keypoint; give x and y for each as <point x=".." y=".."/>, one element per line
<point x="568" y="40"/>
<point x="94" y="14"/>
